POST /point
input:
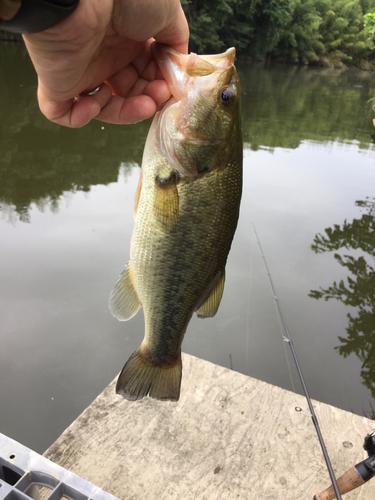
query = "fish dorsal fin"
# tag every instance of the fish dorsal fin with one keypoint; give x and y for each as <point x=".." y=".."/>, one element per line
<point x="123" y="301"/>
<point x="137" y="195"/>
<point x="166" y="203"/>
<point x="211" y="305"/>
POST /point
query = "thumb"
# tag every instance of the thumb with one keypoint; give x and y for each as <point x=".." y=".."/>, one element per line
<point x="176" y="34"/>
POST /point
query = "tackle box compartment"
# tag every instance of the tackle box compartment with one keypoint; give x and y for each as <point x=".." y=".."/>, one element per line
<point x="25" y="474"/>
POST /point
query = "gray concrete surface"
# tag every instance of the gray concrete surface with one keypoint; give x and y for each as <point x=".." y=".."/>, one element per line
<point x="229" y="437"/>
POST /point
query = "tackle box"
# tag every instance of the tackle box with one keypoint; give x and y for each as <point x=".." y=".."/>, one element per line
<point x="25" y="474"/>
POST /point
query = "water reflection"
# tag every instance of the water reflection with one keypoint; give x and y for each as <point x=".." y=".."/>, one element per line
<point x="41" y="160"/>
<point x="283" y="106"/>
<point x="359" y="289"/>
<point x="286" y="105"/>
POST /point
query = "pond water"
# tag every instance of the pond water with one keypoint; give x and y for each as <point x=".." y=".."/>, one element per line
<point x="66" y="201"/>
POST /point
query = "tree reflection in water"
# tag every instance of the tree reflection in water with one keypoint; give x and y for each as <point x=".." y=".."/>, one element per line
<point x="359" y="289"/>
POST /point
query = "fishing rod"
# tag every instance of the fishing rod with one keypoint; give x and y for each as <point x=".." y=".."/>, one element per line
<point x="311" y="408"/>
<point x="356" y="476"/>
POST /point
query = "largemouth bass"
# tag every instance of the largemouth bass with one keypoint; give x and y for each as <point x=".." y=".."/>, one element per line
<point x="186" y="211"/>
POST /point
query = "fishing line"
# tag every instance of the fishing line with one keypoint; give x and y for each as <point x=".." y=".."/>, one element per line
<point x="289" y="340"/>
<point x="249" y="291"/>
<point x="285" y="341"/>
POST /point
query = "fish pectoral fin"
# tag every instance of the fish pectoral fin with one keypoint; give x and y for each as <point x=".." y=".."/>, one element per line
<point x="166" y="206"/>
<point x="123" y="301"/>
<point x="209" y="308"/>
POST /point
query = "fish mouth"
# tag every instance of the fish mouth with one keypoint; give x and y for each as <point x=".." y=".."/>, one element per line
<point x="187" y="76"/>
<point x="180" y="70"/>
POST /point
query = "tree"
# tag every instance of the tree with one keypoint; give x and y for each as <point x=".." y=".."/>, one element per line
<point x="323" y="32"/>
<point x="214" y="27"/>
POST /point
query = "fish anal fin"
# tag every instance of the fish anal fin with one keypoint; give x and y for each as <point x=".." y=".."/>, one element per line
<point x="140" y="377"/>
<point x="123" y="301"/>
<point x="166" y="206"/>
<point x="209" y="308"/>
<point x="137" y="195"/>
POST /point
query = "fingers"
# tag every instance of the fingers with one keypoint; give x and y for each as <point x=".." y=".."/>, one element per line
<point x="132" y="79"/>
<point x="159" y="91"/>
<point x="143" y="66"/>
<point x="123" y="81"/>
<point x="126" y="111"/>
<point x="134" y="107"/>
<point x="73" y="113"/>
<point x="140" y="103"/>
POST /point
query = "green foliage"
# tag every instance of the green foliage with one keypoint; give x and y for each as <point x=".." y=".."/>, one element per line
<point x="216" y="26"/>
<point x="325" y="32"/>
<point x="269" y="20"/>
<point x="369" y="24"/>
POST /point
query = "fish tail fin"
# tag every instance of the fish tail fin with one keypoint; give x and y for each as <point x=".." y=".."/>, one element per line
<point x="140" y="378"/>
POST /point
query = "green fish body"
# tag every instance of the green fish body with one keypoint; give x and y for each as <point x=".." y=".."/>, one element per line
<point x="186" y="213"/>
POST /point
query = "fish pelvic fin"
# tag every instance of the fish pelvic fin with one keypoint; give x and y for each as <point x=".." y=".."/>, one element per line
<point x="209" y="308"/>
<point x="140" y="377"/>
<point x="123" y="301"/>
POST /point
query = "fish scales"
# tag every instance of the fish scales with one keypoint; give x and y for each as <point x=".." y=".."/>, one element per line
<point x="204" y="225"/>
<point x="184" y="225"/>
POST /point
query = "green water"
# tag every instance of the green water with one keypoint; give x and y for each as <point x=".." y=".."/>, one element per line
<point x="66" y="201"/>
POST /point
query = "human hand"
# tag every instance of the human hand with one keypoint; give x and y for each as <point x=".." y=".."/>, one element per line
<point x="106" y="41"/>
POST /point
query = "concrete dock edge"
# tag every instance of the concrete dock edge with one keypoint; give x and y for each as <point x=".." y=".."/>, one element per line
<point x="230" y="436"/>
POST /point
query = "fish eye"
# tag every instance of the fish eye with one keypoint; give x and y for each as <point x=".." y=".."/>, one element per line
<point x="227" y="97"/>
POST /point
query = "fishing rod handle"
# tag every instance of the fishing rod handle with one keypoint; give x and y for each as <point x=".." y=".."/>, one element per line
<point x="347" y="482"/>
